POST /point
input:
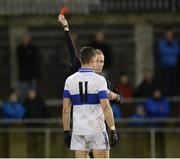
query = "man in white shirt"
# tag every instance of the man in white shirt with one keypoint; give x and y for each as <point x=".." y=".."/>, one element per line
<point x="87" y="92"/>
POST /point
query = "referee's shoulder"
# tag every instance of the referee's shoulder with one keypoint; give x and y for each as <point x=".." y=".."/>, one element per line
<point x="99" y="77"/>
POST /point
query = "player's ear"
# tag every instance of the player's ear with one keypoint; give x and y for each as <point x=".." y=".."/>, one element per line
<point x="92" y="61"/>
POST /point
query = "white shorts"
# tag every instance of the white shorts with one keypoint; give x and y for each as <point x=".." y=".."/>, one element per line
<point x="99" y="141"/>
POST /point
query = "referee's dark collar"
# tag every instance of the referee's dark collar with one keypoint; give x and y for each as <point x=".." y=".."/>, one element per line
<point x="86" y="70"/>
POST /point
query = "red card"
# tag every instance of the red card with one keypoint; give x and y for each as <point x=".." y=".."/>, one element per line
<point x="64" y="10"/>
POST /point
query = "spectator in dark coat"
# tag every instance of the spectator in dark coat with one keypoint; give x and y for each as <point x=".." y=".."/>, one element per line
<point x="12" y="108"/>
<point x="101" y="44"/>
<point x="28" y="65"/>
<point x="35" y="107"/>
<point x="147" y="86"/>
<point x="169" y="51"/>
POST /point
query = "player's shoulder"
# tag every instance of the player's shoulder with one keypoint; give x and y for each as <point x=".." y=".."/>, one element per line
<point x="71" y="77"/>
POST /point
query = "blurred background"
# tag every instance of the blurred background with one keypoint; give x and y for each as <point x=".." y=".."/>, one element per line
<point x="141" y="43"/>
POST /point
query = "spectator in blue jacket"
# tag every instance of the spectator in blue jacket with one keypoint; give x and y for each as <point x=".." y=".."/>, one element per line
<point x="169" y="51"/>
<point x="157" y="106"/>
<point x="139" y="116"/>
<point x="12" y="108"/>
<point x="116" y="110"/>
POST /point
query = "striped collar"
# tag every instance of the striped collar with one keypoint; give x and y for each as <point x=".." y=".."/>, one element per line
<point x="86" y="70"/>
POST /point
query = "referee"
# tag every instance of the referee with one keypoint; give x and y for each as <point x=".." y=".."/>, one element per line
<point x="114" y="95"/>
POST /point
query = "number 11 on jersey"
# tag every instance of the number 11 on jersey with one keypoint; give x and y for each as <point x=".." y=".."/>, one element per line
<point x="83" y="96"/>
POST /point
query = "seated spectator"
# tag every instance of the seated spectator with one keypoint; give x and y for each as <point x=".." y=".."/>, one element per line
<point x="157" y="106"/>
<point x="116" y="110"/>
<point x="124" y="86"/>
<point x="35" y="107"/>
<point x="138" y="116"/>
<point x="12" y="108"/>
<point x="146" y="87"/>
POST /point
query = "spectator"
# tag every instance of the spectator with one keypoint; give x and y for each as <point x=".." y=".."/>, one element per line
<point x="100" y="43"/>
<point x="146" y="87"/>
<point x="12" y="108"/>
<point x="169" y="51"/>
<point x="116" y="110"/>
<point x="124" y="86"/>
<point x="178" y="76"/>
<point x="35" y="107"/>
<point x="157" y="106"/>
<point x="28" y="65"/>
<point x="138" y="116"/>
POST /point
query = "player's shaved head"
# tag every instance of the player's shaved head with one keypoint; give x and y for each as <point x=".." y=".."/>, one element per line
<point x="87" y="54"/>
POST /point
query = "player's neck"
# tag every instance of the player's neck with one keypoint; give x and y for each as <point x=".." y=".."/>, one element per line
<point x="87" y="66"/>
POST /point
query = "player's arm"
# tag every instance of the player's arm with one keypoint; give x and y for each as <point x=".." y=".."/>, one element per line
<point x="69" y="42"/>
<point x="66" y="114"/>
<point x="107" y="110"/>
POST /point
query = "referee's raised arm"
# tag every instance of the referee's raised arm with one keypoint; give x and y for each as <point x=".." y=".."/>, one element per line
<point x="74" y="61"/>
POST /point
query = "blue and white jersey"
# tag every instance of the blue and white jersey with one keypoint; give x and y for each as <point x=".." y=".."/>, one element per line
<point x="85" y="88"/>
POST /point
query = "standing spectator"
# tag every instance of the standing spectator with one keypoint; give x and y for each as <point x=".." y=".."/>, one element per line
<point x="157" y="106"/>
<point x="28" y="65"/>
<point x="169" y="51"/>
<point x="12" y="108"/>
<point x="178" y="76"/>
<point x="101" y="44"/>
<point x="124" y="86"/>
<point x="147" y="85"/>
<point x="35" y="107"/>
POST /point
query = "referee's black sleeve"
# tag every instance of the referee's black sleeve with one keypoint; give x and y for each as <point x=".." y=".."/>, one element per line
<point x="74" y="61"/>
<point x="112" y="88"/>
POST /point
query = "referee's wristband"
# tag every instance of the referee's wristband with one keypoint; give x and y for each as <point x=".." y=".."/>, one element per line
<point x="65" y="26"/>
<point x="118" y="98"/>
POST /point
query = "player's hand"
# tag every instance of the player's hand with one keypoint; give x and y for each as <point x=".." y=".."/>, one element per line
<point x="112" y="95"/>
<point x="67" y="139"/>
<point x="114" y="137"/>
<point x="62" y="20"/>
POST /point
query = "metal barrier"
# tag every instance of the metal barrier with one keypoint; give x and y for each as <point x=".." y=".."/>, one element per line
<point x="52" y="126"/>
<point x="152" y="132"/>
<point x="118" y="121"/>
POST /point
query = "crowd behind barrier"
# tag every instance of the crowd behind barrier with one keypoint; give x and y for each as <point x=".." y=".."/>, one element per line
<point x="127" y="118"/>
